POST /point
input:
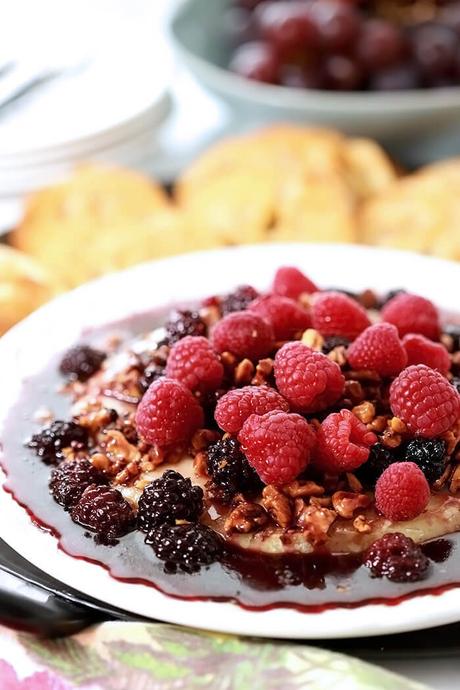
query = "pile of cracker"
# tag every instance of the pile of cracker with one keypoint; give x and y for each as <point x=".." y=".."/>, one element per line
<point x="280" y="184"/>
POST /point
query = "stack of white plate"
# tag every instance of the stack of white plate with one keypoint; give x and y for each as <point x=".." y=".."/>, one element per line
<point x="106" y="103"/>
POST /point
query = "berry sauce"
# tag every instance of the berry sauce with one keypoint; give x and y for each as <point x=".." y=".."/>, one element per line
<point x="310" y="582"/>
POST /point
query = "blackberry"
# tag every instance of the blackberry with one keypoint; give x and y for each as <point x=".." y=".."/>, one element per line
<point x="229" y="468"/>
<point x="379" y="459"/>
<point x="185" y="547"/>
<point x="429" y="454"/>
<point x="151" y="373"/>
<point x="103" y="510"/>
<point x="238" y="300"/>
<point x="167" y="499"/>
<point x="69" y="480"/>
<point x="334" y="341"/>
<point x="397" y="558"/>
<point x="182" y="323"/>
<point x="50" y="441"/>
<point x="456" y="383"/>
<point x="81" y="362"/>
<point x="453" y="330"/>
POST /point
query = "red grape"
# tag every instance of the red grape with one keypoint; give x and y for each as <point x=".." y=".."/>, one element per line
<point x="435" y="49"/>
<point x="338" y="23"/>
<point x="342" y="73"/>
<point x="380" y="44"/>
<point x="397" y="78"/>
<point x="257" y="61"/>
<point x="288" y="26"/>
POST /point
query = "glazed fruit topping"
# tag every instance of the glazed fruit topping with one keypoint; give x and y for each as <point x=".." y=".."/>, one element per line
<point x="229" y="468"/>
<point x="308" y="380"/>
<point x="290" y="282"/>
<point x="81" y="362"/>
<point x="167" y="499"/>
<point x="277" y="444"/>
<point x="185" y="547"/>
<point x="424" y="400"/>
<point x="103" y="510"/>
<point x="193" y="362"/>
<point x="334" y="313"/>
<point x="49" y="443"/>
<point x="402" y="491"/>
<point x="238" y="404"/>
<point x="397" y="558"/>
<point x="168" y="413"/>
<point x="244" y="334"/>
<point x="69" y="480"/>
<point x="238" y="300"/>
<point x="342" y="443"/>
<point x="182" y="323"/>
<point x="412" y="314"/>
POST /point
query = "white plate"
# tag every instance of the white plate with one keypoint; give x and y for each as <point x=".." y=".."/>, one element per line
<point x="27" y="348"/>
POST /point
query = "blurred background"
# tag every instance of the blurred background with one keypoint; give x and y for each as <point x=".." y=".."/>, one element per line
<point x="136" y="129"/>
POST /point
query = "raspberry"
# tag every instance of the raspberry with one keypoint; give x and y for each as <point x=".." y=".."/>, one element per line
<point x="308" y="380"/>
<point x="412" y="314"/>
<point x="425" y="401"/>
<point x="402" y="492"/>
<point x="277" y="445"/>
<point x="237" y="405"/>
<point x="420" y="350"/>
<point x="81" y="362"/>
<point x="50" y="441"/>
<point x="287" y="318"/>
<point x="182" y="323"/>
<point x="238" y="300"/>
<point x="378" y="348"/>
<point x="168" y="413"/>
<point x="290" y="282"/>
<point x="244" y="334"/>
<point x="103" y="510"/>
<point x="187" y="547"/>
<point x="169" y="498"/>
<point x="229" y="468"/>
<point x="334" y="313"/>
<point x="342" y="443"/>
<point x="193" y="362"/>
<point x="69" y="480"/>
<point x="396" y="557"/>
<point x="429" y="454"/>
<point x="379" y="459"/>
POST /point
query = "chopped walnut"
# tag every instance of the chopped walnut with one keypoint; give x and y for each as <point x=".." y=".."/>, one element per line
<point x="118" y="448"/>
<point x="354" y="483"/>
<point x="321" y="501"/>
<point x="245" y="517"/>
<point x="454" y="485"/>
<point x="156" y="456"/>
<point x="210" y="314"/>
<point x="244" y="372"/>
<point x="451" y="438"/>
<point x="200" y="464"/>
<point x="264" y="370"/>
<point x="100" y="461"/>
<point x="278" y="505"/>
<point x="365" y="412"/>
<point x="299" y="488"/>
<point x="378" y="424"/>
<point x="345" y="503"/>
<point x="448" y="342"/>
<point x="203" y="438"/>
<point x="365" y="375"/>
<point x="361" y="524"/>
<point x="397" y="425"/>
<point x="228" y="360"/>
<point x="354" y="391"/>
<point x="338" y="355"/>
<point x="130" y="472"/>
<point x="390" y="439"/>
<point x="313" y="339"/>
<point x="315" y="522"/>
<point x="98" y="419"/>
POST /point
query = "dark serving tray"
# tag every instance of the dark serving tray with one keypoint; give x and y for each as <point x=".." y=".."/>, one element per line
<point x="32" y="600"/>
